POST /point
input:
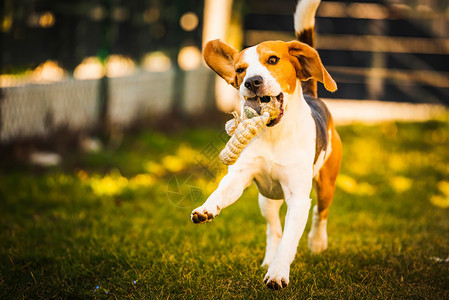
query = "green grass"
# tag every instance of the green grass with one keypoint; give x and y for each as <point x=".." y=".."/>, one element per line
<point x="117" y="220"/>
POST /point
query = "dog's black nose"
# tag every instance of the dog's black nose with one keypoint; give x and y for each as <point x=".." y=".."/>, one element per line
<point x="254" y="83"/>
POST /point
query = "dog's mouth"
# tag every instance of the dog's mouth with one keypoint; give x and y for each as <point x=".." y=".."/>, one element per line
<point x="258" y="102"/>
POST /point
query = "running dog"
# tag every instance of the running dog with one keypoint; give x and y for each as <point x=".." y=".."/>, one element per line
<point x="298" y="148"/>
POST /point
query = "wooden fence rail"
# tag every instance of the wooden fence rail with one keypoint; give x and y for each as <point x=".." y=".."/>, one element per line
<point x="382" y="50"/>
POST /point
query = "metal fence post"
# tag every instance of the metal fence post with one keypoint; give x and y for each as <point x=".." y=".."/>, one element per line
<point x="178" y="92"/>
<point x="1" y="108"/>
<point x="107" y="38"/>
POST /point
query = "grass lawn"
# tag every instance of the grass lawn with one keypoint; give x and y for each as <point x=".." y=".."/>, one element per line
<point x="117" y="223"/>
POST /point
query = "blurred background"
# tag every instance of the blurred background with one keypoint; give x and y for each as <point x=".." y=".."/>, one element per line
<point x="84" y="65"/>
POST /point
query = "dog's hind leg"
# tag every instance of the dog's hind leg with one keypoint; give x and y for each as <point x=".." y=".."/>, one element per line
<point x="270" y="210"/>
<point x="325" y="188"/>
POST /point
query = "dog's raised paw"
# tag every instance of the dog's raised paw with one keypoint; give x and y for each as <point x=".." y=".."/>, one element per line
<point x="204" y="214"/>
<point x="199" y="218"/>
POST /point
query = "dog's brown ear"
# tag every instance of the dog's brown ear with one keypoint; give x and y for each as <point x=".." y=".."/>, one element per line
<point x="308" y="65"/>
<point x="219" y="56"/>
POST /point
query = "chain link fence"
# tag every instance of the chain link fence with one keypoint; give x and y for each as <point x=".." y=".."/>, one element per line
<point x="38" y="110"/>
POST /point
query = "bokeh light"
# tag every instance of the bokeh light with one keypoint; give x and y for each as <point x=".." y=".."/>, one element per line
<point x="47" y="20"/>
<point x="189" y="58"/>
<point x="156" y="62"/>
<point x="189" y="21"/>
<point x="151" y="15"/>
<point x="119" y="66"/>
<point x="89" y="68"/>
<point x="48" y="71"/>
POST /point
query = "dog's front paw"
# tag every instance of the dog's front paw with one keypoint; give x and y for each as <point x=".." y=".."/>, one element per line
<point x="203" y="215"/>
<point x="277" y="276"/>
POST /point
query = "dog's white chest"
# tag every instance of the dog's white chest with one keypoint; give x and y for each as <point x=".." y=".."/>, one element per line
<point x="268" y="183"/>
<point x="279" y="162"/>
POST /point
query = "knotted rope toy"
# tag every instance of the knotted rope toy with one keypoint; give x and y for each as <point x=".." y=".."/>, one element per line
<point x="243" y="130"/>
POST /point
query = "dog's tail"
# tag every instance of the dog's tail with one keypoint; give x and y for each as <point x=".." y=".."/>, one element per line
<point x="305" y="32"/>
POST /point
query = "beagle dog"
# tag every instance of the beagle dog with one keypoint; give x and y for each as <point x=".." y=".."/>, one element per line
<point x="298" y="148"/>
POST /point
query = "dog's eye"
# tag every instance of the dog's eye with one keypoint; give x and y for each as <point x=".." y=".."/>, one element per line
<point x="240" y="70"/>
<point x="273" y="60"/>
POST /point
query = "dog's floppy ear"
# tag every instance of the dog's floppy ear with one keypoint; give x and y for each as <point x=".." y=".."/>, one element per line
<point x="308" y="64"/>
<point x="219" y="56"/>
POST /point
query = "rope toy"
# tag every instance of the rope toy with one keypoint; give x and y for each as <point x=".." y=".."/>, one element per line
<point x="243" y="130"/>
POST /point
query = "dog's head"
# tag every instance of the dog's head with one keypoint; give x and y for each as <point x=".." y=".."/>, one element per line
<point x="266" y="72"/>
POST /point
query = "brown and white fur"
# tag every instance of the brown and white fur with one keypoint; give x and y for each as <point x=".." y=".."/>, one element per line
<point x="300" y="147"/>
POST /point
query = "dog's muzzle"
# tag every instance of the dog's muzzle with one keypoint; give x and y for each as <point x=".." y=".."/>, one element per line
<point x="257" y="103"/>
